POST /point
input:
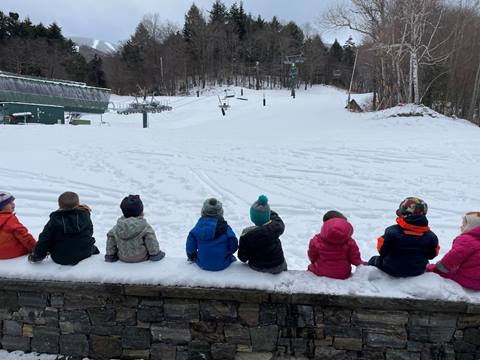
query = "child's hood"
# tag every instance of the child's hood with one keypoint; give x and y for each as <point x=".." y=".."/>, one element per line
<point x="71" y="221"/>
<point x="336" y="231"/>
<point x="4" y="217"/>
<point x="130" y="228"/>
<point x="206" y="228"/>
<point x="475" y="232"/>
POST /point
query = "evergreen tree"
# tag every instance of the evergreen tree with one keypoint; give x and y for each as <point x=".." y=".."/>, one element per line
<point x="336" y="51"/>
<point x="348" y="57"/>
<point x="95" y="74"/>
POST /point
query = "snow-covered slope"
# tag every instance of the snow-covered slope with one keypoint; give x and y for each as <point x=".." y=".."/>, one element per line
<point x="99" y="45"/>
<point x="307" y="154"/>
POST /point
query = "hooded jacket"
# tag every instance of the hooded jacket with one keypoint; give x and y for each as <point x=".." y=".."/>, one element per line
<point x="15" y="240"/>
<point x="211" y="244"/>
<point x="333" y="251"/>
<point x="68" y="236"/>
<point x="261" y="246"/>
<point x="132" y="240"/>
<point x="462" y="262"/>
<point x="405" y="248"/>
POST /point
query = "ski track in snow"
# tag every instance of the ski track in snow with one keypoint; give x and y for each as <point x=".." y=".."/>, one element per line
<point x="292" y="151"/>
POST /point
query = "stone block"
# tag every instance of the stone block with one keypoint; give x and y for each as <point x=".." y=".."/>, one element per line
<point x="198" y="350"/>
<point x="125" y="315"/>
<point x="101" y="316"/>
<point x="182" y="310"/>
<point x="208" y="331"/>
<point x="218" y="311"/>
<point x="304" y="316"/>
<point x="268" y="314"/>
<point x="129" y="354"/>
<point x="141" y="290"/>
<point x="105" y="346"/>
<point x="56" y="300"/>
<point x="114" y="330"/>
<point x="348" y="344"/>
<point x="30" y="316"/>
<point x="328" y="353"/>
<point x="464" y="347"/>
<point x="9" y="300"/>
<point x="254" y="356"/>
<point x="74" y="301"/>
<point x="249" y="314"/>
<point x="27" y="330"/>
<point x="221" y="351"/>
<point x="163" y="352"/>
<point x="469" y="320"/>
<point x="302" y="347"/>
<point x="170" y="332"/>
<point x="343" y="331"/>
<point x="264" y="338"/>
<point x="318" y="316"/>
<point x="32" y="299"/>
<point x="472" y="336"/>
<point x="135" y="338"/>
<point x="16" y="343"/>
<point x="12" y="328"/>
<point x="45" y="340"/>
<point x="401" y="355"/>
<point x="74" y="321"/>
<point x="337" y="316"/>
<point x="386" y="340"/>
<point x="369" y="318"/>
<point x="237" y="334"/>
<point x="150" y="313"/>
<point x="51" y="317"/>
<point x="74" y="345"/>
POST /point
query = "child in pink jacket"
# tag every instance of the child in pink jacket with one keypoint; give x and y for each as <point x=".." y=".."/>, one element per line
<point x="462" y="262"/>
<point x="333" y="251"/>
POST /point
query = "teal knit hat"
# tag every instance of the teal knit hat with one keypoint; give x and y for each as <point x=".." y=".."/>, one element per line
<point x="260" y="211"/>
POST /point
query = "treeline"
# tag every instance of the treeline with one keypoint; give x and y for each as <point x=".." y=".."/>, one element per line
<point x="34" y="49"/>
<point x="223" y="46"/>
<point x="420" y="51"/>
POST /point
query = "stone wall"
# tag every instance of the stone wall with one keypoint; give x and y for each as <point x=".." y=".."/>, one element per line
<point x="152" y="322"/>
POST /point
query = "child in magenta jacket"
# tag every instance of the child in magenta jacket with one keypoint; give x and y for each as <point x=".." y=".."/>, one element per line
<point x="462" y="262"/>
<point x="333" y="251"/>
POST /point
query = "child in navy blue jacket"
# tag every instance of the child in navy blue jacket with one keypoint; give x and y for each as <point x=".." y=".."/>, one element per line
<point x="212" y="243"/>
<point x="405" y="248"/>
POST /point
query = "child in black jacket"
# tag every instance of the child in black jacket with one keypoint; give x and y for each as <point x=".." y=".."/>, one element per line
<point x="68" y="235"/>
<point x="405" y="248"/>
<point x="260" y="244"/>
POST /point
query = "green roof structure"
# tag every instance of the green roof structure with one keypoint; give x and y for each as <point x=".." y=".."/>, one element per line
<point x="72" y="96"/>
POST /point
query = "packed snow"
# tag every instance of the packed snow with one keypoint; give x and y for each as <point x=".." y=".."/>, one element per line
<point x="308" y="155"/>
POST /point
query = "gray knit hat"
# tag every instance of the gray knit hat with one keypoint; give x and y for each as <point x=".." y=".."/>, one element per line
<point x="5" y="199"/>
<point x="212" y="208"/>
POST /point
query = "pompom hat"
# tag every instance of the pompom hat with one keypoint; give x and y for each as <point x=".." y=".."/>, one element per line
<point x="260" y="211"/>
<point x="212" y="208"/>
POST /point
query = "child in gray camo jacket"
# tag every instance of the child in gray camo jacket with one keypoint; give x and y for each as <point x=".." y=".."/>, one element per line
<point x="132" y="239"/>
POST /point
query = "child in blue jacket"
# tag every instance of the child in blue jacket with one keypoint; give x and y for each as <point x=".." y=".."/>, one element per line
<point x="212" y="243"/>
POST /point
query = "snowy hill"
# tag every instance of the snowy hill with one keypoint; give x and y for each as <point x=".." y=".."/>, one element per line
<point x="308" y="155"/>
<point x="101" y="46"/>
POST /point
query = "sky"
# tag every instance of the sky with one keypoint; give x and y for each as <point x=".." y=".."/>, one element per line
<point x="115" y="20"/>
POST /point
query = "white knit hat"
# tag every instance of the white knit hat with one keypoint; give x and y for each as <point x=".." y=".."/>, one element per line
<point x="5" y="199"/>
<point x="471" y="220"/>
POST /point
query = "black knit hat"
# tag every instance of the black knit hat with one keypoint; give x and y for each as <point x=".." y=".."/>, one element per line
<point x="132" y="206"/>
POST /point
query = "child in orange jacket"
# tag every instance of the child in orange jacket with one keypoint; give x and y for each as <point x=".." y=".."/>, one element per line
<point x="15" y="240"/>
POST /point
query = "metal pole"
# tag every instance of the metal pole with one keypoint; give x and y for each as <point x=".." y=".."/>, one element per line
<point x="351" y="79"/>
<point x="161" y="69"/>
<point x="145" y="120"/>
